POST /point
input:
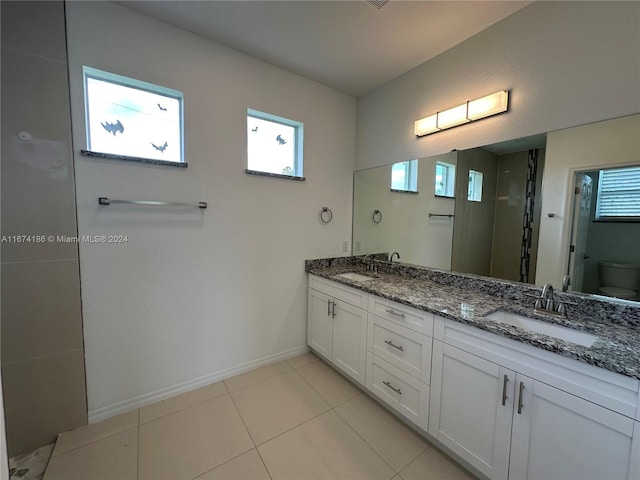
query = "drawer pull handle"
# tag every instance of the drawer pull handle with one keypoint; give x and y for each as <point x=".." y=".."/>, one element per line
<point x="333" y="310"/>
<point x="393" y="312"/>
<point x="390" y="343"/>
<point x="520" y="398"/>
<point x="397" y="390"/>
<point x="504" y="389"/>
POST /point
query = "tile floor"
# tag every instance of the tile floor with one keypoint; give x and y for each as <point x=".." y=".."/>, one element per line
<point x="295" y="419"/>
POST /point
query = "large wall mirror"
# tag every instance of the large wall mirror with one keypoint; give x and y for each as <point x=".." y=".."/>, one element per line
<point x="479" y="211"/>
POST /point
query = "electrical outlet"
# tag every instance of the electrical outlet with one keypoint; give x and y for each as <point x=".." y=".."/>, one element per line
<point x="357" y="245"/>
<point x="345" y="245"/>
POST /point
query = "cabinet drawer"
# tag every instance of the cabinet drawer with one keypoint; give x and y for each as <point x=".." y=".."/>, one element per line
<point x="406" y="349"/>
<point x="402" y="314"/>
<point x="349" y="295"/>
<point x="403" y="393"/>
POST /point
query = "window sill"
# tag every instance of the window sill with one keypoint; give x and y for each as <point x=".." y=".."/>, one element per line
<point x="111" y="156"/>
<point x="403" y="191"/>
<point x="274" y="175"/>
<point x="617" y="220"/>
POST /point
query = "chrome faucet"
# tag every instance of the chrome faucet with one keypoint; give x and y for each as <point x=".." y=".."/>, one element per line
<point x="368" y="261"/>
<point x="547" y="297"/>
<point x="546" y="302"/>
<point x="391" y="257"/>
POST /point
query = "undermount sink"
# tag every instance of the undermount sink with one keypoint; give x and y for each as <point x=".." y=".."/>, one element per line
<point x="356" y="277"/>
<point x="550" y="329"/>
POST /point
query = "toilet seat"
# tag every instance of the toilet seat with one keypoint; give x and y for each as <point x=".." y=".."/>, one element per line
<point x="616" y="292"/>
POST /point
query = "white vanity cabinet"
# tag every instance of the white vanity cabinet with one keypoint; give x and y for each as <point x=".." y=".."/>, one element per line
<point x="337" y="325"/>
<point x="558" y="435"/>
<point x="399" y="344"/>
<point x="471" y="408"/>
<point x="558" y="419"/>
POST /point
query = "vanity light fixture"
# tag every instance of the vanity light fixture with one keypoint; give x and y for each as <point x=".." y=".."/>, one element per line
<point x="467" y="112"/>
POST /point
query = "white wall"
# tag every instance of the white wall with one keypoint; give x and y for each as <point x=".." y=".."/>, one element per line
<point x="194" y="296"/>
<point x="565" y="63"/>
<point x="589" y="147"/>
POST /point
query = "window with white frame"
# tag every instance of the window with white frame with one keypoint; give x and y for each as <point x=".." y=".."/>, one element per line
<point x="474" y="193"/>
<point x="274" y="145"/>
<point x="404" y="176"/>
<point x="619" y="194"/>
<point x="131" y="119"/>
<point x="445" y="179"/>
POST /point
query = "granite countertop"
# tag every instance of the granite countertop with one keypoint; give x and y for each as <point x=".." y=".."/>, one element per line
<point x="617" y="349"/>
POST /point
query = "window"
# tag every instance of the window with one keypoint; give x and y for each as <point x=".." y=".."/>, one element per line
<point x="619" y="194"/>
<point x="445" y="179"/>
<point x="274" y="145"/>
<point x="132" y="119"/>
<point x="404" y="176"/>
<point x="474" y="193"/>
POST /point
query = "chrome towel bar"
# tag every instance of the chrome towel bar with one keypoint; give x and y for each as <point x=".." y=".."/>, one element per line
<point x="109" y="201"/>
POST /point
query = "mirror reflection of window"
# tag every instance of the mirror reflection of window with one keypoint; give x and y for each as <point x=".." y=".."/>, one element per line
<point x="445" y="179"/>
<point x="404" y="176"/>
<point x="474" y="193"/>
<point x="619" y="194"/>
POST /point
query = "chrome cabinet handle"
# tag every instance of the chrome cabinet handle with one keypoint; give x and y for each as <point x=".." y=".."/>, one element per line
<point x="328" y="307"/>
<point x="392" y="312"/>
<point x="520" y="398"/>
<point x="333" y="310"/>
<point x="388" y="384"/>
<point x="504" y="390"/>
<point x="390" y="343"/>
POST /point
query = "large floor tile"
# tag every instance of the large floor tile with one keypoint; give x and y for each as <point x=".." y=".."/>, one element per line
<point x="257" y="375"/>
<point x="393" y="440"/>
<point x="323" y="448"/>
<point x="192" y="441"/>
<point x="333" y="387"/>
<point x="300" y="360"/>
<point x="97" y="431"/>
<point x="273" y="406"/>
<point x="180" y="402"/>
<point x="111" y="458"/>
<point x="247" y="466"/>
<point x="434" y="465"/>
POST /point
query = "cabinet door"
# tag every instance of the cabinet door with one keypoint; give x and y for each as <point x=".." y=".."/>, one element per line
<point x="471" y="408"/>
<point x="558" y="435"/>
<point x="320" y="323"/>
<point x="350" y="340"/>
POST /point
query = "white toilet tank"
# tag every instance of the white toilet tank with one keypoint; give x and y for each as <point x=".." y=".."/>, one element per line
<point x="621" y="280"/>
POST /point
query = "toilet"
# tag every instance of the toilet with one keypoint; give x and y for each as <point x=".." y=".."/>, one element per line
<point x="619" y="280"/>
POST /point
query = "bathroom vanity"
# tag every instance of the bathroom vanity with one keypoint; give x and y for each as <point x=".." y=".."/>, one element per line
<point x="549" y="397"/>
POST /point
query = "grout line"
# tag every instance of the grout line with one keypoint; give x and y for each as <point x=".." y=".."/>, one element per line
<point x="226" y="392"/>
<point x="223" y="463"/>
<point x="242" y="420"/>
<point x="291" y="369"/>
<point x="264" y="463"/>
<point x="95" y="441"/>
<point x="368" y="445"/>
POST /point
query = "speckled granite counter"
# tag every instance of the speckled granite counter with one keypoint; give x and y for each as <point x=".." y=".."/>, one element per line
<point x="469" y="298"/>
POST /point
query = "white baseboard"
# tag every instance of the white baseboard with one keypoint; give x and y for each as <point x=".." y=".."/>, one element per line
<point x="124" y="406"/>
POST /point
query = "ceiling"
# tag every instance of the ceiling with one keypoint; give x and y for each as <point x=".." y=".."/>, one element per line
<point x="349" y="45"/>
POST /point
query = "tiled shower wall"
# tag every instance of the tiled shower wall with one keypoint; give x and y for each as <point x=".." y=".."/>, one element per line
<point x="42" y="345"/>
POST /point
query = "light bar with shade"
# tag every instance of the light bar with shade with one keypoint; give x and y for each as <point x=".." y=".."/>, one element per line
<point x="467" y="112"/>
